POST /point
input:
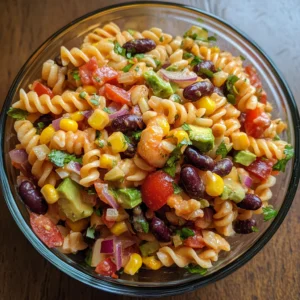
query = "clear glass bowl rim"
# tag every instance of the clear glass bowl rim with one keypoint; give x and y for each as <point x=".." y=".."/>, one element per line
<point x="161" y="291"/>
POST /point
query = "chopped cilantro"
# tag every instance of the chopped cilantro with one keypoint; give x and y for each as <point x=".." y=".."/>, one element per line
<point x="127" y="139"/>
<point x="242" y="57"/>
<point x="90" y="233"/>
<point x="119" y="50"/>
<point x="276" y="138"/>
<point x="195" y="269"/>
<point x="137" y="68"/>
<point x="177" y="188"/>
<point x="200" y="20"/>
<point x="212" y="38"/>
<point x="40" y="126"/>
<point x="281" y="164"/>
<point x="161" y="39"/>
<point x="231" y="89"/>
<point x="61" y="158"/>
<point x="131" y="31"/>
<point x="137" y="135"/>
<point x="222" y="150"/>
<point x="186" y="127"/>
<point x="207" y="72"/>
<point x="17" y="113"/>
<point x="99" y="143"/>
<point x="107" y="110"/>
<point x="140" y="55"/>
<point x="98" y="212"/>
<point x="176" y="98"/>
<point x="98" y="134"/>
<point x="157" y="62"/>
<point x="128" y="55"/>
<point x="82" y="95"/>
<point x="187" y="55"/>
<point x="196" y="61"/>
<point x="172" y="68"/>
<point x="185" y="232"/>
<point x="269" y="213"/>
<point x="95" y="100"/>
<point x="127" y="68"/>
<point x="254" y="229"/>
<point x="75" y="75"/>
<point x="88" y="258"/>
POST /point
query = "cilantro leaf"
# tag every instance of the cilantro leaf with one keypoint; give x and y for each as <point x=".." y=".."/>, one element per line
<point x="281" y="164"/>
<point x="119" y="50"/>
<point x="82" y="95"/>
<point x="131" y="31"/>
<point x="196" y="61"/>
<point x="40" y="126"/>
<point x="177" y="189"/>
<point x="176" y="98"/>
<point x="269" y="213"/>
<point x="172" y="68"/>
<point x="75" y="75"/>
<point x="185" y="232"/>
<point x="231" y="89"/>
<point x="195" y="269"/>
<point x="200" y="20"/>
<point x="61" y="158"/>
<point x="187" y="55"/>
<point x="127" y="68"/>
<point x="222" y="150"/>
<point x="137" y="135"/>
<point x="140" y="55"/>
<point x="127" y="139"/>
<point x="161" y="39"/>
<point x="186" y="127"/>
<point x="90" y="233"/>
<point x="107" y="110"/>
<point x="98" y="212"/>
<point x="207" y="72"/>
<point x="88" y="258"/>
<point x="17" y="113"/>
<point x="157" y="62"/>
<point x="95" y="100"/>
<point x="212" y="38"/>
<point x="242" y="57"/>
<point x="254" y="229"/>
<point x="276" y="138"/>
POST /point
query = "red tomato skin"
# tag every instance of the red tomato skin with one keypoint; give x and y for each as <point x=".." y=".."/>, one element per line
<point x="256" y="122"/>
<point x="261" y="168"/>
<point x="196" y="241"/>
<point x="41" y="89"/>
<point x="117" y="94"/>
<point x="156" y="189"/>
<point x="46" y="230"/>
<point x="106" y="268"/>
<point x="86" y="71"/>
<point x="103" y="75"/>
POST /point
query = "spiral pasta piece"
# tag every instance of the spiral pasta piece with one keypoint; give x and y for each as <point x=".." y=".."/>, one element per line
<point x="157" y="35"/>
<point x="126" y="36"/>
<point x="263" y="190"/>
<point x="215" y="241"/>
<point x="90" y="164"/>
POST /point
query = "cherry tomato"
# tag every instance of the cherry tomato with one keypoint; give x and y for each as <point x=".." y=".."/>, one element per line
<point x="117" y="94"/>
<point x="46" y="230"/>
<point x="41" y="89"/>
<point x="195" y="241"/>
<point x="106" y="268"/>
<point x="156" y="189"/>
<point x="256" y="122"/>
<point x="86" y="71"/>
<point x="261" y="168"/>
<point x="103" y="75"/>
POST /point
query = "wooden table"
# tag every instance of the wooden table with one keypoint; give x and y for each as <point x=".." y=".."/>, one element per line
<point x="273" y="274"/>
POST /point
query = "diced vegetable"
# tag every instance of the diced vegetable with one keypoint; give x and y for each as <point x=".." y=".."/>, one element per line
<point x="117" y="94"/>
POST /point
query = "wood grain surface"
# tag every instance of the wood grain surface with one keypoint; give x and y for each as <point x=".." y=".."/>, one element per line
<point x="273" y="274"/>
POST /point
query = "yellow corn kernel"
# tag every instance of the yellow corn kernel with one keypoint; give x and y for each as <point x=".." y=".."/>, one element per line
<point x="99" y="119"/>
<point x="134" y="264"/>
<point x="108" y="161"/>
<point x="47" y="134"/>
<point x="207" y="103"/>
<point x="152" y="263"/>
<point x="77" y="116"/>
<point x="78" y="226"/>
<point x="181" y="135"/>
<point x="240" y="141"/>
<point x="117" y="142"/>
<point x="215" y="49"/>
<point x="214" y="184"/>
<point x="119" y="228"/>
<point x="68" y="125"/>
<point x="95" y="44"/>
<point x="90" y="89"/>
<point x="50" y="194"/>
<point x="219" y="78"/>
<point x="165" y="126"/>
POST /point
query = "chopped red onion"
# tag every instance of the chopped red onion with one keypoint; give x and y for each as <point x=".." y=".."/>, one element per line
<point x="118" y="255"/>
<point x="179" y="76"/>
<point x="87" y="113"/>
<point x="104" y="195"/>
<point x="246" y="180"/>
<point x="107" y="246"/>
<point x="18" y="156"/>
<point x="55" y="124"/>
<point x="74" y="167"/>
<point x="164" y="66"/>
<point x="118" y="114"/>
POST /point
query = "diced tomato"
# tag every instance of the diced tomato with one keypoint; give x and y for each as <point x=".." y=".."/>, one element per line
<point x="195" y="241"/>
<point x="256" y="122"/>
<point x="103" y="75"/>
<point x="117" y="94"/>
<point x="156" y="189"/>
<point x="41" y="89"/>
<point x="109" y="224"/>
<point x="86" y="71"/>
<point x="46" y="230"/>
<point x="261" y="168"/>
<point x="107" y="268"/>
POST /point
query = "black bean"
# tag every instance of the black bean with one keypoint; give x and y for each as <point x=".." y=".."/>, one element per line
<point x="192" y="182"/>
<point x="200" y="161"/>
<point x="139" y="46"/>
<point x="129" y="152"/>
<point x="223" y="167"/>
<point x="46" y="119"/>
<point x="218" y="91"/>
<point x="33" y="198"/>
<point x="58" y="60"/>
<point x="250" y="202"/>
<point x="160" y="230"/>
<point x="197" y="90"/>
<point x="244" y="226"/>
<point x="127" y="123"/>
<point x="201" y="67"/>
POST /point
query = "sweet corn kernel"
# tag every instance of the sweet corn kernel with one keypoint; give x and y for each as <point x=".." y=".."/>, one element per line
<point x="90" y="89"/>
<point x="119" y="228"/>
<point x="68" y="125"/>
<point x="108" y="161"/>
<point x="240" y="141"/>
<point x="99" y="119"/>
<point x="117" y="142"/>
<point x="152" y="263"/>
<point x="207" y="103"/>
<point x="215" y="49"/>
<point x="77" y="116"/>
<point x="78" y="226"/>
<point x="181" y="135"/>
<point x="50" y="194"/>
<point x="47" y="134"/>
<point x="134" y="264"/>
<point x="214" y="184"/>
<point x="219" y="78"/>
<point x="165" y="126"/>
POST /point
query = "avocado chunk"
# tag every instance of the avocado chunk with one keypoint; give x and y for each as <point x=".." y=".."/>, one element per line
<point x="201" y="137"/>
<point x="128" y="198"/>
<point x="70" y="201"/>
<point x="159" y="87"/>
<point x="233" y="191"/>
<point x="149" y="248"/>
<point x="196" y="32"/>
<point x="244" y="157"/>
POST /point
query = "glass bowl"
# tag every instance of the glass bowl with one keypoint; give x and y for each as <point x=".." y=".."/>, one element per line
<point x="174" y="19"/>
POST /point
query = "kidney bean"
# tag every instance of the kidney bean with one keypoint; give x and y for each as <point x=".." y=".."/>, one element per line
<point x="127" y="123"/>
<point x="218" y="91"/>
<point x="250" y="202"/>
<point x="192" y="182"/>
<point x="139" y="46"/>
<point x="129" y="152"/>
<point x="223" y="167"/>
<point x="197" y="90"/>
<point x="244" y="226"/>
<point x="33" y="198"/>
<point x="46" y="119"/>
<point x="58" y="61"/>
<point x="242" y="119"/>
<point x="205" y="64"/>
<point x="160" y="230"/>
<point x="200" y="161"/>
